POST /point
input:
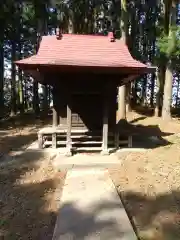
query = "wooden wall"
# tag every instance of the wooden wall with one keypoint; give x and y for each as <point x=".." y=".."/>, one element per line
<point x="85" y="95"/>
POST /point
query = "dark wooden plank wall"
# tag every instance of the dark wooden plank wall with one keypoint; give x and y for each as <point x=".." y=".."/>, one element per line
<point x="87" y="99"/>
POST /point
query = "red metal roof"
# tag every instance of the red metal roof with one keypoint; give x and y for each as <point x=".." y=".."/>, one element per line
<point x="82" y="50"/>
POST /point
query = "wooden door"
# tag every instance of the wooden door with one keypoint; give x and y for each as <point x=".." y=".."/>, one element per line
<point x="87" y="111"/>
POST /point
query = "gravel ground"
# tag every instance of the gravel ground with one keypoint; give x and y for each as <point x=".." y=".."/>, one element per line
<point x="149" y="184"/>
<point x="28" y="206"/>
<point x="28" y="187"/>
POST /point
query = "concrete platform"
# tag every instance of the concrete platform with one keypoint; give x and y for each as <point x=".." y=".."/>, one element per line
<point x="86" y="161"/>
<point x="90" y="209"/>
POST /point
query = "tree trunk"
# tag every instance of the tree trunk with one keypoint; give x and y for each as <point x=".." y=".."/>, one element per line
<point x="157" y="108"/>
<point x="170" y="19"/>
<point x="21" y="93"/>
<point x="160" y="78"/>
<point x="1" y="77"/>
<point x="122" y="102"/>
<point x="144" y="99"/>
<point x="41" y="18"/>
<point x="20" y="76"/>
<point x="42" y="29"/>
<point x="134" y="95"/>
<point x="35" y="98"/>
<point x="13" y="79"/>
<point x="124" y="32"/>
<point x="152" y="91"/>
<point x="71" y="23"/>
<point x="35" y="88"/>
<point x="25" y="94"/>
<point x="128" y="97"/>
<point x="177" y="94"/>
<point x="45" y="100"/>
<point x="166" y="110"/>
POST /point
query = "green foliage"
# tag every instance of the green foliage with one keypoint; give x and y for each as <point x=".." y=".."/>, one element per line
<point x="28" y="13"/>
<point x="124" y="5"/>
<point x="144" y="22"/>
<point x="169" y="46"/>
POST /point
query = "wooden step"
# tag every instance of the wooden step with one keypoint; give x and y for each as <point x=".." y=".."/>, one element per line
<point x="81" y="137"/>
<point x="85" y="143"/>
<point x="59" y="130"/>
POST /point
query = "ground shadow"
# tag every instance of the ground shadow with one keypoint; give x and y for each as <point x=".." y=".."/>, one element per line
<point x="137" y="119"/>
<point x="84" y="151"/>
<point x="16" y="142"/>
<point x="24" y="210"/>
<point x="24" y="120"/>
<point x="143" y="110"/>
<point x="160" y="214"/>
<point x="149" y="111"/>
<point x="16" y="133"/>
<point x="149" y="136"/>
<point x="73" y="223"/>
<point x="93" y="151"/>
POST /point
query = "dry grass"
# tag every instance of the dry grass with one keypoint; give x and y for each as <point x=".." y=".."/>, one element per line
<point x="149" y="185"/>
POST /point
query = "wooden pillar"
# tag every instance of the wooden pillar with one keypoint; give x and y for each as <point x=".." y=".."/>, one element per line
<point x="116" y="137"/>
<point x="40" y="140"/>
<point x="105" y="124"/>
<point x="54" y="140"/>
<point x="130" y="141"/>
<point x="54" y="109"/>
<point x="54" y="121"/>
<point x="59" y="119"/>
<point x="55" y="117"/>
<point x="68" y="134"/>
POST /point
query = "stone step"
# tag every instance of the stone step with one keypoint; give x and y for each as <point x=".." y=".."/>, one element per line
<point x="86" y="161"/>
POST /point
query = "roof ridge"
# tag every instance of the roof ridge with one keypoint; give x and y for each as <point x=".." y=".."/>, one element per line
<point x="77" y="35"/>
